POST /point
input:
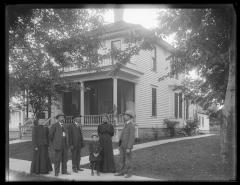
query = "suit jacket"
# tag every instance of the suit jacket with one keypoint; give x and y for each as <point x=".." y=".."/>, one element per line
<point x="55" y="135"/>
<point x="127" y="136"/>
<point x="75" y="136"/>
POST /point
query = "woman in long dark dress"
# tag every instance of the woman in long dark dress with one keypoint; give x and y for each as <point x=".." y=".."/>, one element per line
<point x="105" y="132"/>
<point x="41" y="163"/>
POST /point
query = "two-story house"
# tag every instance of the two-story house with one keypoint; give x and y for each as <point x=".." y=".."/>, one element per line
<point x="135" y="87"/>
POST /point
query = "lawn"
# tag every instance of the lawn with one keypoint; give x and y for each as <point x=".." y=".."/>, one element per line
<point x="24" y="150"/>
<point x="196" y="159"/>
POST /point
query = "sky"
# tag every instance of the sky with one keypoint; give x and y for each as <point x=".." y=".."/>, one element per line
<point x="147" y="17"/>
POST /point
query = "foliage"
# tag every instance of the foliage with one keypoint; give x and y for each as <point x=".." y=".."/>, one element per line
<point x="202" y="41"/>
<point x="191" y="126"/>
<point x="41" y="45"/>
<point x="171" y="124"/>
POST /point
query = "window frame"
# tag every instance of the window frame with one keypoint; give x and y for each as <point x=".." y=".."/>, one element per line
<point x="178" y="105"/>
<point x="112" y="41"/>
<point x="154" y="59"/>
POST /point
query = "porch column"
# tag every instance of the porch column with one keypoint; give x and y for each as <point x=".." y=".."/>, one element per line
<point x="115" y="104"/>
<point x="82" y="102"/>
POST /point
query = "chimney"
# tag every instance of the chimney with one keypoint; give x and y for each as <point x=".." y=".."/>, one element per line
<point x="118" y="15"/>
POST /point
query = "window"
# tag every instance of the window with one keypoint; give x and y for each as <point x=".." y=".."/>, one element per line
<point x="178" y="105"/>
<point x="116" y="44"/>
<point x="154" y="102"/>
<point x="154" y="59"/>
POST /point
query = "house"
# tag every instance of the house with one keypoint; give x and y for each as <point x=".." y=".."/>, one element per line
<point x="135" y="87"/>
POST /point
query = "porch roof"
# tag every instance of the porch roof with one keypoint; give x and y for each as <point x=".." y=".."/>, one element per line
<point x="124" y="72"/>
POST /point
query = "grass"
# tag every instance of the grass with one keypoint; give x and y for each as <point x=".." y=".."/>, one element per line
<point x="189" y="160"/>
<point x="24" y="150"/>
<point x="22" y="176"/>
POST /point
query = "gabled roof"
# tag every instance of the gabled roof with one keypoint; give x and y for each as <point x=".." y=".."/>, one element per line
<point x="124" y="26"/>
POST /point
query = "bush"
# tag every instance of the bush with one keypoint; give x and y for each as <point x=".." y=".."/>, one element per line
<point x="191" y="126"/>
<point x="171" y="126"/>
<point x="155" y="132"/>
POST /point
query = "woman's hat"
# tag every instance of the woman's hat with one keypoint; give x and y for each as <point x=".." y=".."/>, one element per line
<point x="129" y="113"/>
<point x="105" y="115"/>
<point x="94" y="134"/>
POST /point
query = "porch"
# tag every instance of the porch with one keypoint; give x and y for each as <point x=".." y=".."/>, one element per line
<point x="112" y="96"/>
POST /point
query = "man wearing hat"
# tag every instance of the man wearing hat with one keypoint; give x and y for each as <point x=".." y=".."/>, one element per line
<point x="126" y="142"/>
<point x="76" y="142"/>
<point x="58" y="135"/>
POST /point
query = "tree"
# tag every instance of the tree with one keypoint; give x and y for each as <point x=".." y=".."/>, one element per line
<point x="40" y="46"/>
<point x="35" y="61"/>
<point x="206" y="40"/>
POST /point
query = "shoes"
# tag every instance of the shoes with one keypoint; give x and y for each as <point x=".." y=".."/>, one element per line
<point x="66" y="173"/>
<point x="119" y="174"/>
<point x="128" y="176"/>
<point x="80" y="169"/>
<point x="75" y="170"/>
<point x="92" y="174"/>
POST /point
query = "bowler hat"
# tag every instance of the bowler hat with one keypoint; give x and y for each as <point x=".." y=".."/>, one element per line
<point x="76" y="116"/>
<point x="60" y="114"/>
<point x="129" y="113"/>
<point x="94" y="134"/>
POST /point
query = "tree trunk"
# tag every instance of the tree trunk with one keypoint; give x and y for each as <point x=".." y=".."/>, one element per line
<point x="228" y="122"/>
<point x="49" y="107"/>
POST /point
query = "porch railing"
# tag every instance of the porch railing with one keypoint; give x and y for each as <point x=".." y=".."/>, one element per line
<point x="94" y="120"/>
<point x="75" y="67"/>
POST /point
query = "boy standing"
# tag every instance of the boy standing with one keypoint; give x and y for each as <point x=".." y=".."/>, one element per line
<point x="126" y="142"/>
<point x="94" y="154"/>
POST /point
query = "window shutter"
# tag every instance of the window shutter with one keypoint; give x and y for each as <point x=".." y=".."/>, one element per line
<point x="154" y="102"/>
<point x="180" y="105"/>
<point x="176" y="104"/>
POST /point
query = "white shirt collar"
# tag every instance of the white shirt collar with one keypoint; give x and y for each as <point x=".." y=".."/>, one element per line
<point x="128" y="121"/>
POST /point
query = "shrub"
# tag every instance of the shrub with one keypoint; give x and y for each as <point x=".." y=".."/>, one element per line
<point x="191" y="126"/>
<point x="171" y="126"/>
<point x="155" y="132"/>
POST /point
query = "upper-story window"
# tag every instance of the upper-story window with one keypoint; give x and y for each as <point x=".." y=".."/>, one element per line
<point x="116" y="44"/>
<point x="154" y="59"/>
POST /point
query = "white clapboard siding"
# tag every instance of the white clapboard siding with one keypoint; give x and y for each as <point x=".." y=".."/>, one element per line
<point x="144" y="88"/>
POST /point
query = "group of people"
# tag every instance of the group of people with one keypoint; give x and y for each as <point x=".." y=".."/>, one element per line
<point x="63" y="138"/>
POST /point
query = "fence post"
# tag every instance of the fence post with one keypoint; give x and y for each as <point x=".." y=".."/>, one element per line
<point x="20" y="131"/>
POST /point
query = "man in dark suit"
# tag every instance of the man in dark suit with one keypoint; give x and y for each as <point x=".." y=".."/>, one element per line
<point x="126" y="142"/>
<point x="58" y="135"/>
<point x="76" y="143"/>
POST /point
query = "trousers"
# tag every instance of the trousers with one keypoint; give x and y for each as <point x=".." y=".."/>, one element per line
<point x="76" y="158"/>
<point x="125" y="161"/>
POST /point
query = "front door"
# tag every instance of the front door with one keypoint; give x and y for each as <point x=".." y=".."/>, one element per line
<point x="93" y="100"/>
<point x="67" y="103"/>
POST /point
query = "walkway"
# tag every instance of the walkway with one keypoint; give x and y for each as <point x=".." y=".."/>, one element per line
<point x="24" y="166"/>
